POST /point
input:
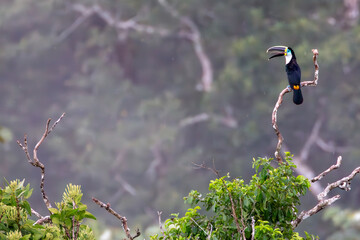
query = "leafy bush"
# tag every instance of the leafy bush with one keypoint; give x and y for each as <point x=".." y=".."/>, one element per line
<point x="268" y="202"/>
<point x="15" y="211"/>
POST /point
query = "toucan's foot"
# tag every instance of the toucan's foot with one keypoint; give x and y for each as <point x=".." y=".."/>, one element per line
<point x="288" y="88"/>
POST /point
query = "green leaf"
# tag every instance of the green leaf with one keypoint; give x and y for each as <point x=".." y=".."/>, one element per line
<point x="89" y="215"/>
<point x="53" y="210"/>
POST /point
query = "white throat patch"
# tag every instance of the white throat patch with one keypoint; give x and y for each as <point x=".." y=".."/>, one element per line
<point x="288" y="58"/>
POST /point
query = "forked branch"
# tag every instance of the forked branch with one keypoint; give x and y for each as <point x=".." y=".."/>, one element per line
<point x="35" y="160"/>
<point x="323" y="201"/>
<point x="118" y="216"/>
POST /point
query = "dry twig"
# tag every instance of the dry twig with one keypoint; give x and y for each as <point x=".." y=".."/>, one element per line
<point x="121" y="218"/>
<point x="335" y="166"/>
<point x="160" y="224"/>
<point x="253" y="228"/>
<point x="35" y="160"/>
<point x="343" y="183"/>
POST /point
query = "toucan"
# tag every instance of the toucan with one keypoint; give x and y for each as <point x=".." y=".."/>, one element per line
<point x="292" y="69"/>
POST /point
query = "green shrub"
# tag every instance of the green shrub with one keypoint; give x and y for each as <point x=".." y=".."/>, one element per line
<point x="15" y="212"/>
<point x="270" y="199"/>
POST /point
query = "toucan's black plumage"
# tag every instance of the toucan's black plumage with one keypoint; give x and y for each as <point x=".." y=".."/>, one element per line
<point x="292" y="69"/>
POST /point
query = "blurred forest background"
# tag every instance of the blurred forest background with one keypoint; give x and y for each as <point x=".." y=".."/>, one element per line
<point x="151" y="87"/>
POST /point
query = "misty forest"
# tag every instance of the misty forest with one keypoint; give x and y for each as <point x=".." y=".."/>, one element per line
<point x="166" y="119"/>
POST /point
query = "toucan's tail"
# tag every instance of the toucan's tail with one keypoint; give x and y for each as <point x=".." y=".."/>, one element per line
<point x="297" y="97"/>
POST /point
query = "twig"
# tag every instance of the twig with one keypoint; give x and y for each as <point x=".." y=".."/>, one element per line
<point x="318" y="207"/>
<point x="199" y="226"/>
<point x="304" y="154"/>
<point x="343" y="183"/>
<point x="36" y="213"/>
<point x="211" y="229"/>
<point x="323" y="202"/>
<point x="121" y="218"/>
<point x="73" y="223"/>
<point x="280" y="100"/>
<point x="335" y="166"/>
<point x="67" y="32"/>
<point x="253" y="228"/>
<point x="43" y="220"/>
<point x="227" y="120"/>
<point x="35" y="160"/>
<point x="160" y="224"/>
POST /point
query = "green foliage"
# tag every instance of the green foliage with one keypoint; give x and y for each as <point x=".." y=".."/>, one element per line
<point x="15" y="213"/>
<point x="270" y="198"/>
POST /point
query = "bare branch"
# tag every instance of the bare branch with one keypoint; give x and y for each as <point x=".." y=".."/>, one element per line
<point x="202" y="117"/>
<point x="227" y="120"/>
<point x="253" y="228"/>
<point x="43" y="220"/>
<point x="304" y="154"/>
<point x="199" y="226"/>
<point x="343" y="183"/>
<point x="112" y="21"/>
<point x="126" y="186"/>
<point x="193" y="34"/>
<point x="35" y="160"/>
<point x="280" y="100"/>
<point x="335" y="166"/>
<point x="121" y="218"/>
<point x="67" y="32"/>
<point x="36" y="213"/>
<point x="160" y="224"/>
<point x="330" y="146"/>
<point x="318" y="207"/>
<point x="323" y="202"/>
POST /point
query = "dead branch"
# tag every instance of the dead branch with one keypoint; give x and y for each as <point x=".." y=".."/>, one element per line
<point x="119" y="25"/>
<point x="43" y="220"/>
<point x="160" y="224"/>
<point x="121" y="218"/>
<point x="193" y="34"/>
<point x="318" y="207"/>
<point x="280" y="100"/>
<point x="67" y="32"/>
<point x="323" y="202"/>
<point x="35" y="160"/>
<point x="252" y="228"/>
<point x="304" y="153"/>
<point x="227" y="120"/>
<point x="335" y="166"/>
<point x="343" y="183"/>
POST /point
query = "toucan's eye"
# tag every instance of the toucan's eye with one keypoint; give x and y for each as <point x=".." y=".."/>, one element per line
<point x="289" y="52"/>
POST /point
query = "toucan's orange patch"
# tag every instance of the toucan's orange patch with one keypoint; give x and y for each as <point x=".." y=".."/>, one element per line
<point x="296" y="87"/>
